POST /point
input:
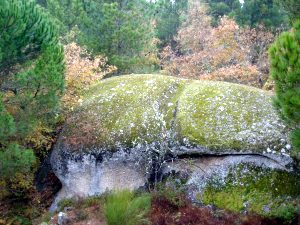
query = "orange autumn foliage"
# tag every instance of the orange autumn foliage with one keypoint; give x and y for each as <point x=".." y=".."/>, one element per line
<point x="226" y="53"/>
<point x="248" y="75"/>
<point x="82" y="70"/>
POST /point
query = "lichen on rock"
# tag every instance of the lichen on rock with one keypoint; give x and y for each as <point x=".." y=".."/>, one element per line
<point x="221" y="117"/>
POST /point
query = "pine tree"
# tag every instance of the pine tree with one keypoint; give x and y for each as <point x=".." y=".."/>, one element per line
<point x="31" y="65"/>
<point x="120" y="30"/>
<point x="24" y="30"/>
<point x="292" y="7"/>
<point x="219" y="8"/>
<point x="31" y="80"/>
<point x="251" y="13"/>
<point x="266" y="12"/>
<point x="168" y="19"/>
<point x="285" y="70"/>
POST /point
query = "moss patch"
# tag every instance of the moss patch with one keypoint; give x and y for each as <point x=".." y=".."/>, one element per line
<point x="264" y="191"/>
<point x="228" y="116"/>
<point x="133" y="109"/>
<point x="122" y="111"/>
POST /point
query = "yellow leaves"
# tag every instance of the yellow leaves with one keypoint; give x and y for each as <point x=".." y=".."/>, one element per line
<point x="82" y="70"/>
<point x="3" y="190"/>
<point x="40" y="138"/>
<point x="21" y="182"/>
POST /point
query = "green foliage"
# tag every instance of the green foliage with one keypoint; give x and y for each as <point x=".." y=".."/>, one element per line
<point x="31" y="83"/>
<point x="39" y="91"/>
<point x="67" y="13"/>
<point x="123" y="208"/>
<point x="285" y="71"/>
<point x="251" y="13"/>
<point x="68" y="202"/>
<point x="121" y="30"/>
<point x="292" y="7"/>
<point x="15" y="159"/>
<point x="7" y="125"/>
<point x="16" y="170"/>
<point x="173" y="189"/>
<point x="286" y="212"/>
<point x="31" y="66"/>
<point x="219" y="8"/>
<point x="24" y="30"/>
<point x="168" y="19"/>
<point x="295" y="138"/>
<point x="21" y="220"/>
<point x="265" y="12"/>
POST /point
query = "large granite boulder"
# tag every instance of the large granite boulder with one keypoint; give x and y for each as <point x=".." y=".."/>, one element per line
<point x="217" y="117"/>
<point x="135" y="129"/>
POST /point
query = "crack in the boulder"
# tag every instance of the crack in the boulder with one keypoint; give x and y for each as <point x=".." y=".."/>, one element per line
<point x="173" y="122"/>
<point x="195" y="155"/>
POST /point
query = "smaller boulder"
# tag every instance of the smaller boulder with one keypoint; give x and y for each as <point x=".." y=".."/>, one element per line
<point x="62" y="218"/>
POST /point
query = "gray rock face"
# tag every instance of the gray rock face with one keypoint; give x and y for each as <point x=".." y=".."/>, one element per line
<point x="93" y="174"/>
<point x="201" y="170"/>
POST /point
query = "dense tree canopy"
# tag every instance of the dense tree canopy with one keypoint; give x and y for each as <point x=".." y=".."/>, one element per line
<point x="292" y="7"/>
<point x="122" y="30"/>
<point x="266" y="12"/>
<point x="219" y="8"/>
<point x="227" y="52"/>
<point x="168" y="18"/>
<point x="251" y="13"/>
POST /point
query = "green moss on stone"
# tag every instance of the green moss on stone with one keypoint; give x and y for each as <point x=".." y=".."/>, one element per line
<point x="132" y="109"/>
<point x="227" y="116"/>
<point x="267" y="192"/>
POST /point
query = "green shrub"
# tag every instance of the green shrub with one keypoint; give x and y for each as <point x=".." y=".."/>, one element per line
<point x="286" y="212"/>
<point x="91" y="201"/>
<point x="16" y="170"/>
<point x="14" y="159"/>
<point x="68" y="202"/>
<point x="285" y="71"/>
<point x="123" y="208"/>
<point x="173" y="189"/>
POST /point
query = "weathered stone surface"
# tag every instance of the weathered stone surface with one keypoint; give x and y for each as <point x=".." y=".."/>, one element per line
<point x="200" y="170"/>
<point x="241" y="183"/>
<point x="214" y="116"/>
<point x="128" y="124"/>
<point x="94" y="174"/>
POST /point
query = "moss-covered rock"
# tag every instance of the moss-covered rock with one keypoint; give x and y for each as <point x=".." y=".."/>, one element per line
<point x="132" y="130"/>
<point x="129" y="110"/>
<point x="247" y="187"/>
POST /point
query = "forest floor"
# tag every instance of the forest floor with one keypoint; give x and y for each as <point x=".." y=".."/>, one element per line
<point x="163" y="211"/>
